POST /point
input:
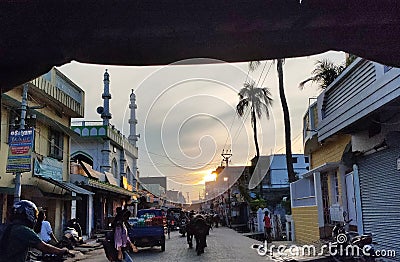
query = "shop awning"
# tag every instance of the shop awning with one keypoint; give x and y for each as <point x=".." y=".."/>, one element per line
<point x="7" y="190"/>
<point x="111" y="188"/>
<point x="91" y="172"/>
<point x="322" y="168"/>
<point x="31" y="191"/>
<point x="111" y="179"/>
<point x="67" y="186"/>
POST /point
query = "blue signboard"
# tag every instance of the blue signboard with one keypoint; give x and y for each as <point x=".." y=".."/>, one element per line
<point x="20" y="144"/>
<point x="48" y="167"/>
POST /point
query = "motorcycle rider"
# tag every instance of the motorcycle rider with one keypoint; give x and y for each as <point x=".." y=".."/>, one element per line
<point x="19" y="236"/>
<point x="171" y="220"/>
<point x="183" y="221"/>
<point x="183" y="216"/>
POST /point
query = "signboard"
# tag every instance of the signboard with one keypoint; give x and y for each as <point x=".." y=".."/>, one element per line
<point x="48" y="167"/>
<point x="125" y="182"/>
<point x="20" y="144"/>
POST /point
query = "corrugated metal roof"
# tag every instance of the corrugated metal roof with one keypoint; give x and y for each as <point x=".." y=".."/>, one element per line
<point x="67" y="186"/>
<point x="109" y="187"/>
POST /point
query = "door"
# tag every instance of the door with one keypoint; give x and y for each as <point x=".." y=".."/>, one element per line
<point x="351" y="200"/>
<point x="325" y="198"/>
<point x="82" y="213"/>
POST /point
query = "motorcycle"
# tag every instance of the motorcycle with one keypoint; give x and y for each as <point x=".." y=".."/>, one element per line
<point x="170" y="227"/>
<point x="72" y="235"/>
<point x="182" y="227"/>
<point x="361" y="246"/>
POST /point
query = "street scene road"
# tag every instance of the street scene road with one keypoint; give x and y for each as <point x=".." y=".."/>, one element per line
<point x="223" y="244"/>
<point x="302" y="152"/>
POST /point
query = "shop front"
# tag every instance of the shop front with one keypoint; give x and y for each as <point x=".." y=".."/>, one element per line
<point x="106" y="199"/>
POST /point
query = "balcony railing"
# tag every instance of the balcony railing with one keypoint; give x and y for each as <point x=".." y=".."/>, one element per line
<point x="302" y="192"/>
<point x="65" y="92"/>
<point x="97" y="129"/>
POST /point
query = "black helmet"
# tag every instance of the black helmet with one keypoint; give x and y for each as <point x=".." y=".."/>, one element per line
<point x="25" y="210"/>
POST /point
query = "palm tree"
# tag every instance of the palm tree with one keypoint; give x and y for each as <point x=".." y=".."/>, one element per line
<point x="258" y="99"/>
<point x="286" y="120"/>
<point x="324" y="74"/>
<point x="286" y="117"/>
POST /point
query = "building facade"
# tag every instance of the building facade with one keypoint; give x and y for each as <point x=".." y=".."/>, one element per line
<point x="108" y="159"/>
<point x="272" y="173"/>
<point x="353" y="149"/>
<point x="52" y="100"/>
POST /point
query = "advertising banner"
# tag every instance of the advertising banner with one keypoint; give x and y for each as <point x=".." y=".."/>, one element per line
<point x="20" y="144"/>
<point x="48" y="167"/>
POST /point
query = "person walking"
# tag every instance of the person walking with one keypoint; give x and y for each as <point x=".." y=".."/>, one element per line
<point x="121" y="237"/>
<point x="43" y="229"/>
<point x="267" y="227"/>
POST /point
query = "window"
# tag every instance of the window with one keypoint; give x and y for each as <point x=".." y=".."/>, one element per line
<point x="306" y="160"/>
<point x="12" y="123"/>
<point x="56" y="144"/>
<point x="294" y="159"/>
<point x="335" y="189"/>
<point x="129" y="175"/>
<point x="114" y="168"/>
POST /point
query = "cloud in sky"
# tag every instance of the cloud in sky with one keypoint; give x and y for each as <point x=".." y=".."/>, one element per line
<point x="186" y="112"/>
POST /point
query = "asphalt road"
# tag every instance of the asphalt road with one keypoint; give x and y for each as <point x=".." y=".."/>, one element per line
<point x="223" y="244"/>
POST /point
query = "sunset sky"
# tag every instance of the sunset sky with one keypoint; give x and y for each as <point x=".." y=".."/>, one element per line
<point x="186" y="112"/>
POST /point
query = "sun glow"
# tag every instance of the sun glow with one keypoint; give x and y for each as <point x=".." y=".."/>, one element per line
<point x="210" y="176"/>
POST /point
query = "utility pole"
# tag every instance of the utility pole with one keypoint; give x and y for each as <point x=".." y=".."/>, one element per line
<point x="226" y="155"/>
<point x="17" y="191"/>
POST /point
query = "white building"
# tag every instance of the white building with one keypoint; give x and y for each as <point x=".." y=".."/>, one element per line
<point x="109" y="161"/>
<point x="275" y="170"/>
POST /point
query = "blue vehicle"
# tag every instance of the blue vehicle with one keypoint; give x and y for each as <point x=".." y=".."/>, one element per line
<point x="149" y="229"/>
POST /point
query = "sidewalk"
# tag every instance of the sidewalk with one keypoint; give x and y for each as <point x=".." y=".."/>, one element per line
<point x="83" y="251"/>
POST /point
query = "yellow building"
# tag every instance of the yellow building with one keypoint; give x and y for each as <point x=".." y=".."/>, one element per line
<point x="353" y="156"/>
<point x="52" y="100"/>
<point x="317" y="197"/>
<point x="351" y="134"/>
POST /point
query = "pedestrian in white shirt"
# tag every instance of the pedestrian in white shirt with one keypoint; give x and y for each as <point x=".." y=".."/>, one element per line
<point x="43" y="228"/>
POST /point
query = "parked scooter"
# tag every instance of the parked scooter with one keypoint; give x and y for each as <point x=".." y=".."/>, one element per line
<point x="72" y="236"/>
<point x="361" y="246"/>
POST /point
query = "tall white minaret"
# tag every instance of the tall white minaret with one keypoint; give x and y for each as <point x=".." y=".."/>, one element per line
<point x="106" y="115"/>
<point x="133" y="137"/>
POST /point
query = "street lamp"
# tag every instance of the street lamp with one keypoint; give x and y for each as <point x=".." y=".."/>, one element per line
<point x="229" y="202"/>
